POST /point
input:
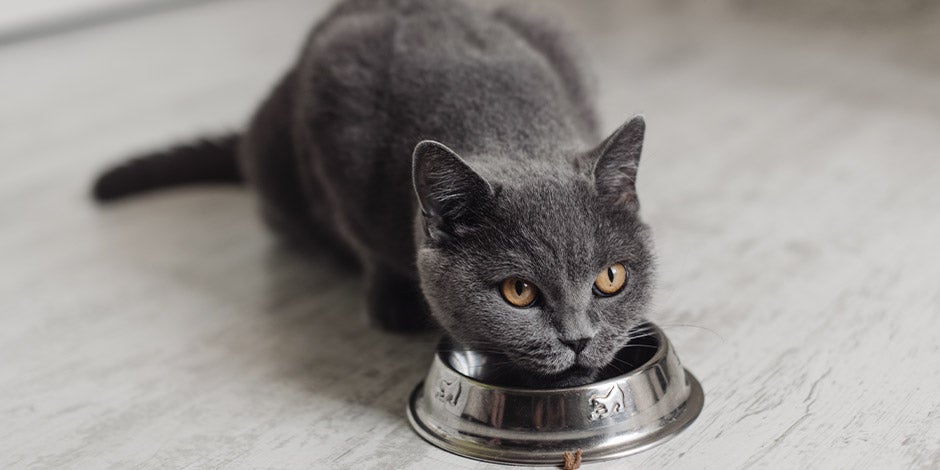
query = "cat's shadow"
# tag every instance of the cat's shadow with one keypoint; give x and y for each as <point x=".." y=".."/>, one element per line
<point x="297" y="316"/>
<point x="316" y="309"/>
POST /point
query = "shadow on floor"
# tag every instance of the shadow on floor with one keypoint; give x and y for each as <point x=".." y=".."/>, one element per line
<point x="316" y="308"/>
<point x="292" y="316"/>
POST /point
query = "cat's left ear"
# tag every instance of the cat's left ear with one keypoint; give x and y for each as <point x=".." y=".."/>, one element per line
<point x="448" y="190"/>
<point x="616" y="162"/>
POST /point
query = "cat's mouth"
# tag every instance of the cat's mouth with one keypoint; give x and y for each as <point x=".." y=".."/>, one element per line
<point x="572" y="377"/>
<point x="564" y="364"/>
<point x="581" y="370"/>
<point x="560" y="370"/>
<point x="532" y="367"/>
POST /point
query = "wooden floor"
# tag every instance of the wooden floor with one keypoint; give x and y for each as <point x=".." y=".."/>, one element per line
<point x="792" y="177"/>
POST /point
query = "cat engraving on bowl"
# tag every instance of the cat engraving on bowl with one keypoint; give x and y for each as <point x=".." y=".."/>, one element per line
<point x="609" y="404"/>
<point x="448" y="391"/>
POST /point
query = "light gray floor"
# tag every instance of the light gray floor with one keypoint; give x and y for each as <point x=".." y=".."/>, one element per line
<point x="792" y="177"/>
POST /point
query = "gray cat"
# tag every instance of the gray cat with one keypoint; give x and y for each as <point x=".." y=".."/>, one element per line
<point x="524" y="240"/>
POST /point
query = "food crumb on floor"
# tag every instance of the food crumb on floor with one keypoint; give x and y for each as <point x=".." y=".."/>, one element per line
<point x="572" y="460"/>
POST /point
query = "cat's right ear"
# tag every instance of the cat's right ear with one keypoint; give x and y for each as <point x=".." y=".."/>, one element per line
<point x="448" y="189"/>
<point x="616" y="162"/>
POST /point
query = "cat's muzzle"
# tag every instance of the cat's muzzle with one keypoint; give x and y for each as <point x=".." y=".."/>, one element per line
<point x="625" y="411"/>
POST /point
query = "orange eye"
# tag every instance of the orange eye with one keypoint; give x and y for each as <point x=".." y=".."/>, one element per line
<point x="518" y="292"/>
<point x="611" y="280"/>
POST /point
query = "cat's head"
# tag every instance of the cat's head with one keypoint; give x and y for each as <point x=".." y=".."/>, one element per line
<point x="549" y="268"/>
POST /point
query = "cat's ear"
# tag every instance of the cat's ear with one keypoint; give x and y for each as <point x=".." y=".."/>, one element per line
<point x="448" y="189"/>
<point x="616" y="162"/>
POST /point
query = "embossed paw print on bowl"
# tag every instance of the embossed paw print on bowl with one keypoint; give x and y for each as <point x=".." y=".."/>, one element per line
<point x="456" y="409"/>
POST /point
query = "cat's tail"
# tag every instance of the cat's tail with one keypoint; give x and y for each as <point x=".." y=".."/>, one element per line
<point x="210" y="160"/>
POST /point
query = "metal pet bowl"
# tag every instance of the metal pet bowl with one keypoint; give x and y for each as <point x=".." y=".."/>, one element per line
<point x="622" y="413"/>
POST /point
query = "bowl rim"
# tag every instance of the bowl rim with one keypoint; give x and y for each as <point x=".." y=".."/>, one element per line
<point x="657" y="357"/>
<point x="691" y="410"/>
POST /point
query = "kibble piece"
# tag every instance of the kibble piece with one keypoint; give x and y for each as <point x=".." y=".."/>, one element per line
<point x="572" y="460"/>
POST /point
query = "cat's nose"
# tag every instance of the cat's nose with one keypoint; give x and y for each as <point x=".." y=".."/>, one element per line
<point x="576" y="345"/>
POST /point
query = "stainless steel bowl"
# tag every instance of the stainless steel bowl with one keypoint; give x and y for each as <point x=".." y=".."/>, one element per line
<point x="454" y="409"/>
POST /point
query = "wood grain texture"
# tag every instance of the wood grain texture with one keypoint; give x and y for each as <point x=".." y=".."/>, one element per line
<point x="791" y="176"/>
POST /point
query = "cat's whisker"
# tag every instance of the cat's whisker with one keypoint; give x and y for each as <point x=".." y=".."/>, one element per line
<point x="616" y="368"/>
<point x="689" y="325"/>
<point x="640" y="336"/>
<point x="629" y="364"/>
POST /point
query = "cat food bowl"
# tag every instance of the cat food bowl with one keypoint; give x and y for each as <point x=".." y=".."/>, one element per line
<point x="622" y="413"/>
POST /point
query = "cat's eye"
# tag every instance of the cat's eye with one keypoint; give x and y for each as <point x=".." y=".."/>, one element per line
<point x="518" y="292"/>
<point x="611" y="280"/>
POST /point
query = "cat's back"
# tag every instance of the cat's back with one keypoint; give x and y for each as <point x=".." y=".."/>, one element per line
<point x="446" y="69"/>
<point x="391" y="28"/>
<point x="429" y="34"/>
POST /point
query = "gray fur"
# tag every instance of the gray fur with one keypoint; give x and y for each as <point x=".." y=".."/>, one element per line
<point x="524" y="187"/>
